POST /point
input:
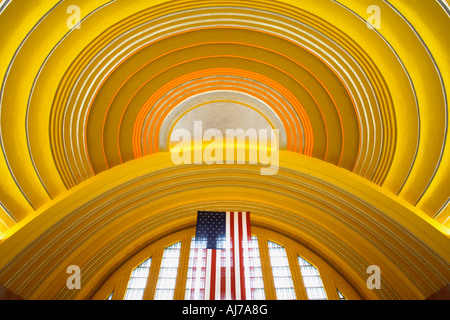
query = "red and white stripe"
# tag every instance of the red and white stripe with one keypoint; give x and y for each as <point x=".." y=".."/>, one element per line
<point x="227" y="270"/>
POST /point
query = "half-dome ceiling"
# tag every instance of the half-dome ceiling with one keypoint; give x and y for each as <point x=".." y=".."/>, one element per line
<point x="78" y="102"/>
<point x="345" y="93"/>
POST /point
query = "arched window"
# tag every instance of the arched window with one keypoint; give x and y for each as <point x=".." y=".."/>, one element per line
<point x="256" y="276"/>
<point x="281" y="271"/>
<point x="196" y="277"/>
<point x="341" y="297"/>
<point x="165" y="287"/>
<point x="138" y="281"/>
<point x="311" y="280"/>
<point x="175" y="268"/>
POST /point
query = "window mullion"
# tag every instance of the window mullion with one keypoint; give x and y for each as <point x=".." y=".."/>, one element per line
<point x="183" y="264"/>
<point x="329" y="287"/>
<point x="269" y="284"/>
<point x="297" y="278"/>
<point x="153" y="275"/>
<point x="121" y="288"/>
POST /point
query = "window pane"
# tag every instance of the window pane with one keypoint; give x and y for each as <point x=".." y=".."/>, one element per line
<point x="195" y="282"/>
<point x="311" y="280"/>
<point x="281" y="271"/>
<point x="138" y="281"/>
<point x="165" y="287"/>
<point x="285" y="294"/>
<point x="256" y="278"/>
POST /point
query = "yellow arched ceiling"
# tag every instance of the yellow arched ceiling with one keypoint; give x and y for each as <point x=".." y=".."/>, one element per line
<point x="364" y="173"/>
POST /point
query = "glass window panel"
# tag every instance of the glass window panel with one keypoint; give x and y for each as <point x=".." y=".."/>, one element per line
<point x="258" y="294"/>
<point x="165" y="287"/>
<point x="146" y="263"/>
<point x="312" y="281"/>
<point x="341" y="297"/>
<point x="138" y="281"/>
<point x="256" y="278"/>
<point x="285" y="294"/>
<point x="283" y="282"/>
<point x="164" y="294"/>
<point x="134" y="294"/>
<point x="195" y="282"/>
<point x="140" y="272"/>
<point x="281" y="271"/>
<point x="168" y="272"/>
<point x="167" y="283"/>
<point x="309" y="271"/>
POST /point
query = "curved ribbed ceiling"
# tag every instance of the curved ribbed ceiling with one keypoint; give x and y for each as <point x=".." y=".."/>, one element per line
<point x="77" y="103"/>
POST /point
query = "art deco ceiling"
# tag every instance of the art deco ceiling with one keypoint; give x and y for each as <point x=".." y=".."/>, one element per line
<point x="81" y="107"/>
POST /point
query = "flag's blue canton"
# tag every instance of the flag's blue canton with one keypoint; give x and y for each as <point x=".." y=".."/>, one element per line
<point x="211" y="228"/>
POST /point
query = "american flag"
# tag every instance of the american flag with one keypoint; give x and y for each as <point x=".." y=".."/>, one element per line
<point x="220" y="268"/>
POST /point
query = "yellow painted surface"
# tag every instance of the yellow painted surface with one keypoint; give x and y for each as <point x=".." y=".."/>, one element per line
<point x="69" y="176"/>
